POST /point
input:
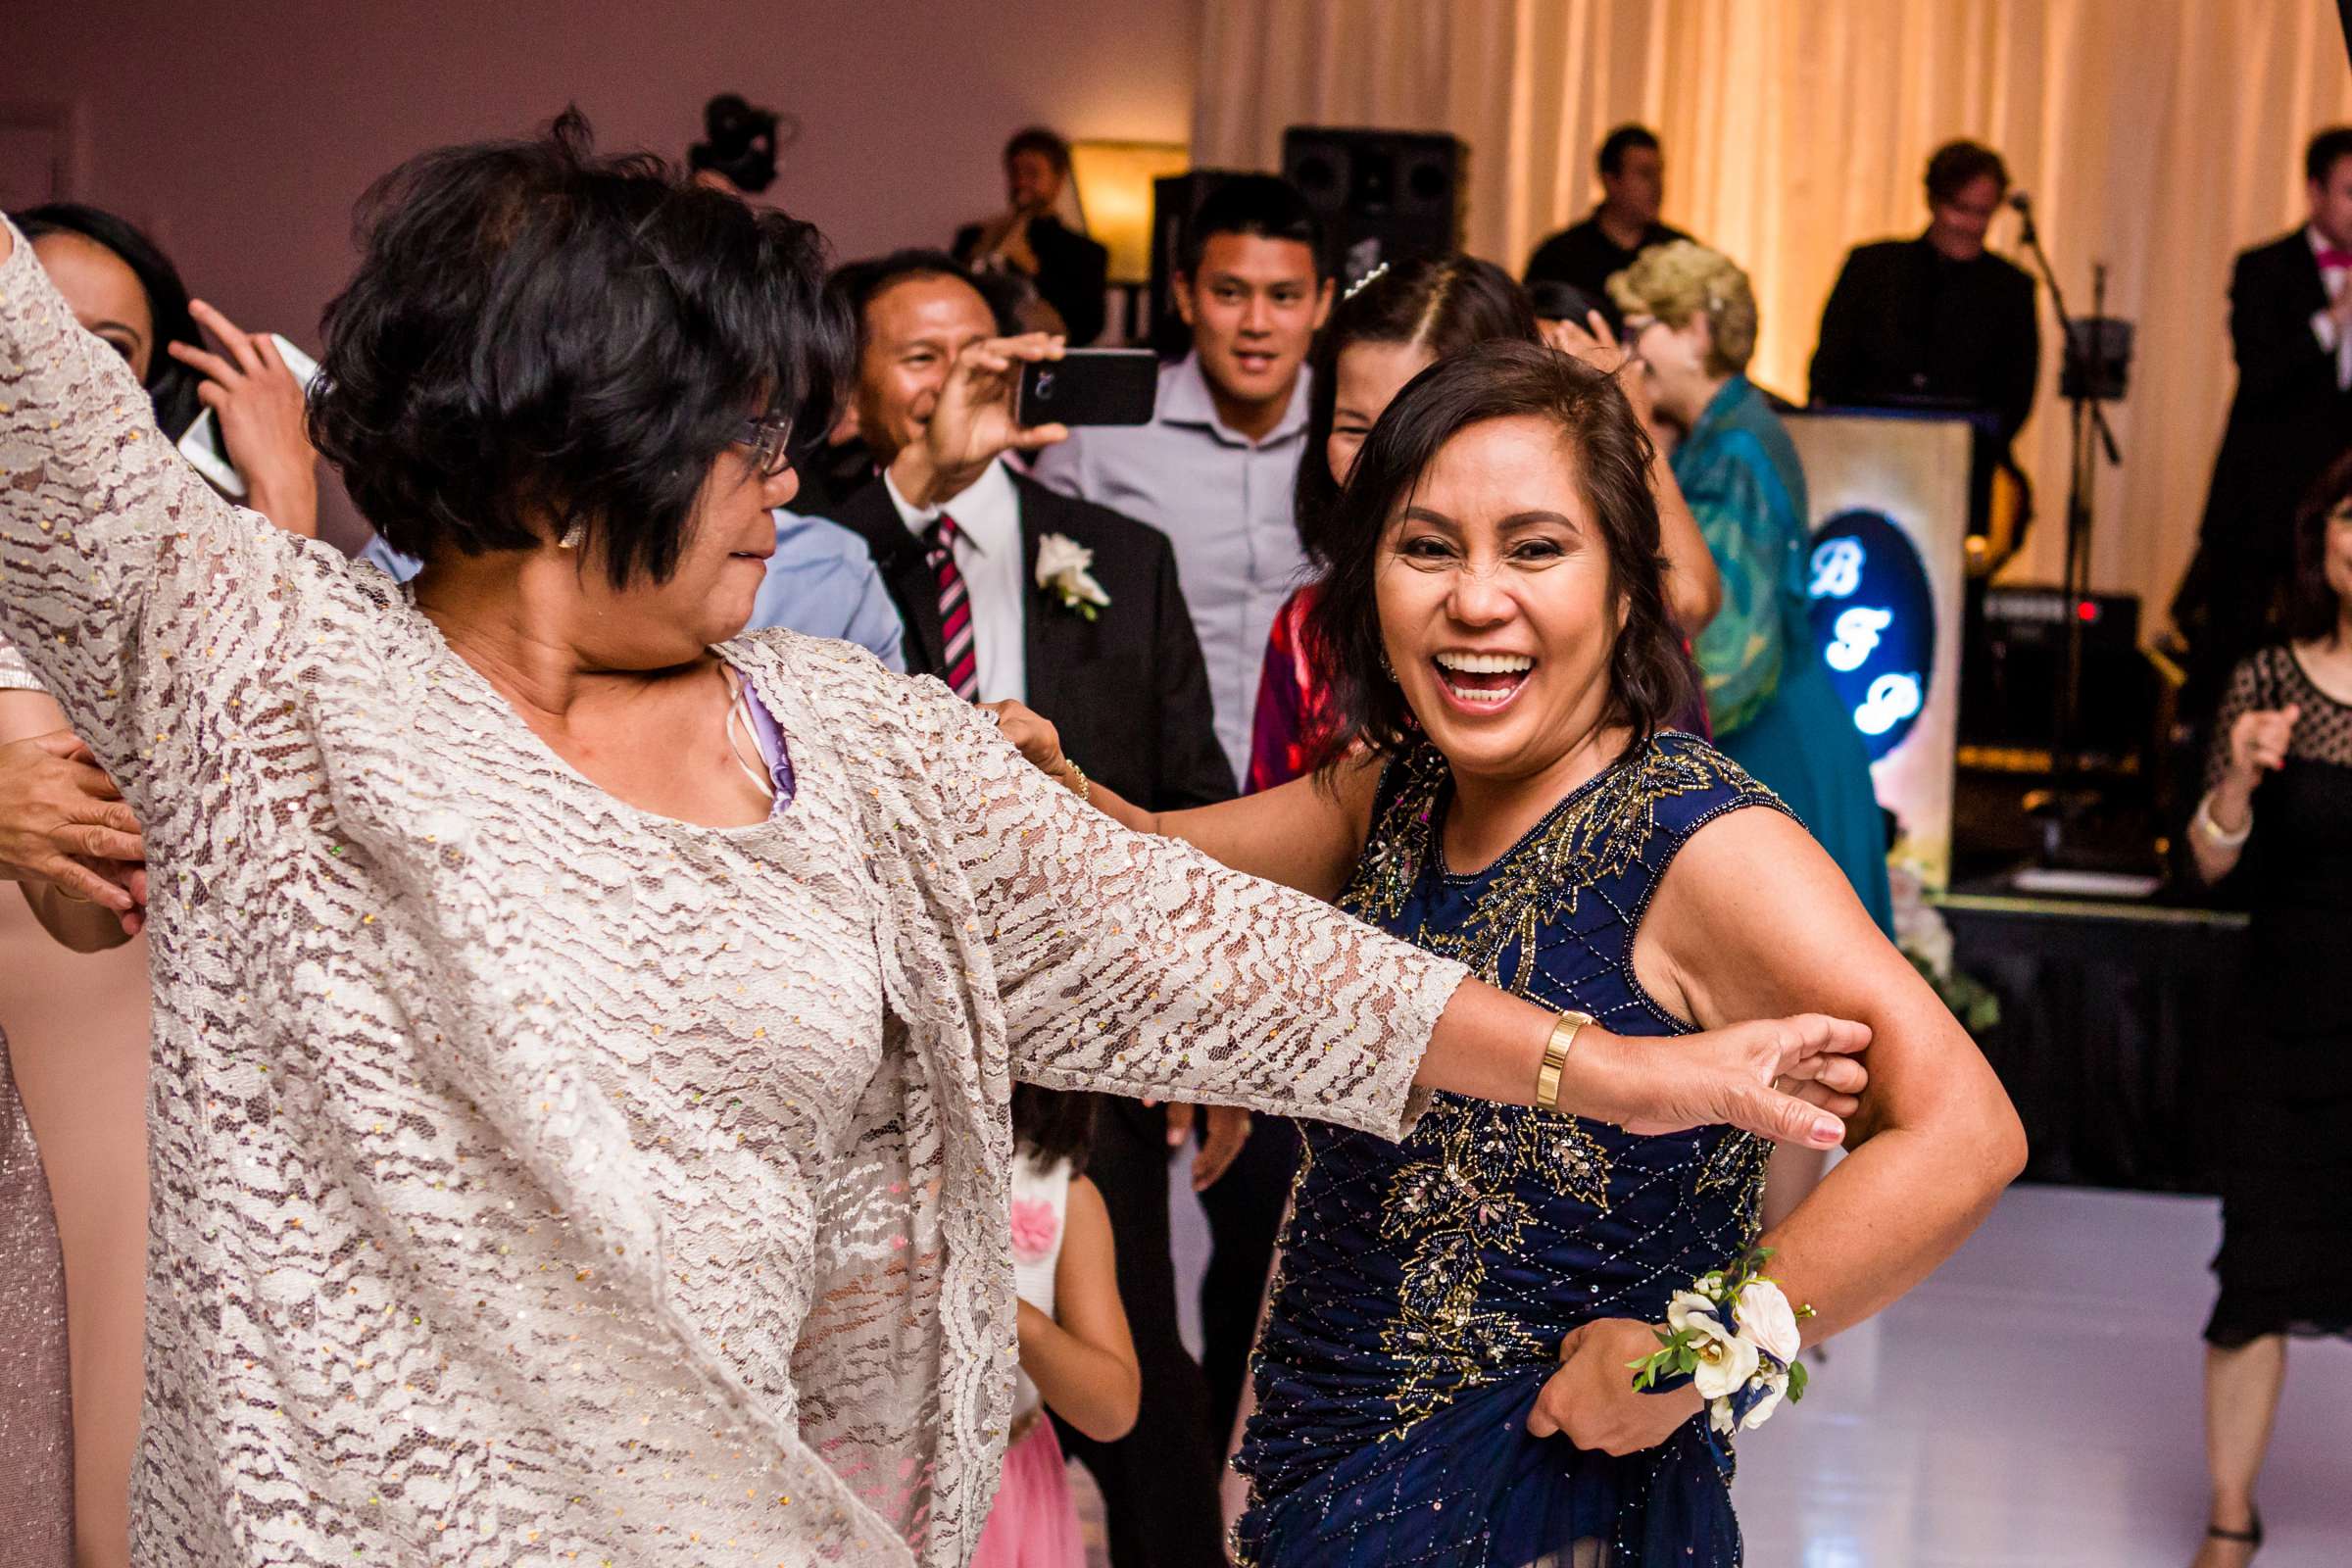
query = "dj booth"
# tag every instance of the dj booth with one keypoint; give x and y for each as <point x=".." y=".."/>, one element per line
<point x="2109" y="1005"/>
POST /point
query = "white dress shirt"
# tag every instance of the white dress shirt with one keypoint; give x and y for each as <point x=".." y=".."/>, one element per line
<point x="988" y="552"/>
<point x="2332" y="279"/>
<point x="1224" y="501"/>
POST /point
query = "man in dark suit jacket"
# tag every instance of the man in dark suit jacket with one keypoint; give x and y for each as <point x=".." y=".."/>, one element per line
<point x="1937" y="321"/>
<point x="1030" y="244"/>
<point x="1128" y="690"/>
<point x="2290" y="330"/>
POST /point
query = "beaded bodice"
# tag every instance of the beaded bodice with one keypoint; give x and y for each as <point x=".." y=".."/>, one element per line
<point x="1414" y="1270"/>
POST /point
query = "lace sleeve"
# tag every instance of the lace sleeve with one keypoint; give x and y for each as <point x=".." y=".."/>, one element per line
<point x="112" y="550"/>
<point x="1135" y="966"/>
<point x="2247" y="688"/>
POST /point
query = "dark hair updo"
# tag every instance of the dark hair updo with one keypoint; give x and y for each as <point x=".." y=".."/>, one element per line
<point x="538" y="335"/>
<point x="1650" y="679"/>
<point x="171" y="384"/>
<point x="1442" y="304"/>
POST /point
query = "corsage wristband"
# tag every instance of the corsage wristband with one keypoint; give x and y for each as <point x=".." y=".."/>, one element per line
<point x="1735" y="1335"/>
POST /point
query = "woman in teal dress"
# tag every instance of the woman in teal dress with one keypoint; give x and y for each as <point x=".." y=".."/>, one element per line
<point x="1693" y="320"/>
<point x="1442" y="1376"/>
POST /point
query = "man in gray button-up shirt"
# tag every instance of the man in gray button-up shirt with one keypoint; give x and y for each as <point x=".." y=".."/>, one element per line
<point x="1214" y="468"/>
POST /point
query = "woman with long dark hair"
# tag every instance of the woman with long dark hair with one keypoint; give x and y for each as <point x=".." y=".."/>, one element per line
<point x="1692" y="316"/>
<point x="124" y="289"/>
<point x="583" y="1034"/>
<point x="1387" y="330"/>
<point x="2277" y="814"/>
<point x="1444" y="1374"/>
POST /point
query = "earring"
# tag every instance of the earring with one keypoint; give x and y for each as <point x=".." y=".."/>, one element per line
<point x="571" y="537"/>
<point x="1386" y="668"/>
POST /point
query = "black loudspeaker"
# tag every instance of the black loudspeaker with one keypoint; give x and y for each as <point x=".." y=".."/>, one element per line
<point x="2014" y="663"/>
<point x="1383" y="195"/>
<point x="1175" y="197"/>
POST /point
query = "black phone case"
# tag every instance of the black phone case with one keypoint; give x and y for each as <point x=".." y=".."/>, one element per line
<point x="1089" y="386"/>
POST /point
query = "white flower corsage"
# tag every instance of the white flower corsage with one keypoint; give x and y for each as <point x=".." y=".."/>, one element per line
<point x="1735" y="1336"/>
<point x="1061" y="564"/>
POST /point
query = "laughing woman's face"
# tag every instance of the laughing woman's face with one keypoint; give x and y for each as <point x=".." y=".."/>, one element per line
<point x="1497" y="607"/>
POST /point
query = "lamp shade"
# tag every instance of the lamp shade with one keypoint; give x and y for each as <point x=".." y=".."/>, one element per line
<point x="1114" y="192"/>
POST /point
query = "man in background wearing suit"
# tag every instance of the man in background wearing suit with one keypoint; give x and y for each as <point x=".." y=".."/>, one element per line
<point x="958" y="534"/>
<point x="2290" y="330"/>
<point x="1938" y="321"/>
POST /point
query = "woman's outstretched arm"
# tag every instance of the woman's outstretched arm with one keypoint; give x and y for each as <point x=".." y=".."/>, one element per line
<point x="1135" y="965"/>
<point x="1304" y="834"/>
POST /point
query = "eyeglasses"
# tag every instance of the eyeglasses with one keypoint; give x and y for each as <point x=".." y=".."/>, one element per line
<point x="770" y="441"/>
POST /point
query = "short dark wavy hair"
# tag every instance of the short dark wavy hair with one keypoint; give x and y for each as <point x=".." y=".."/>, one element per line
<point x="539" y="336"/>
<point x="1044" y="141"/>
<point x="2314" y="611"/>
<point x="1503" y="378"/>
<point x="1957" y="164"/>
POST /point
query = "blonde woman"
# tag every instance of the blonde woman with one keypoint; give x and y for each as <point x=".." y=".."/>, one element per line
<point x="1691" y="317"/>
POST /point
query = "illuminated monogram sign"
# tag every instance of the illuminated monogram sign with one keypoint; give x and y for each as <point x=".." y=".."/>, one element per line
<point x="1889" y="496"/>
<point x="1875" y="619"/>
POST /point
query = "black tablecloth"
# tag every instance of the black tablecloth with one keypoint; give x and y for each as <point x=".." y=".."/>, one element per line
<point x="2109" y="1016"/>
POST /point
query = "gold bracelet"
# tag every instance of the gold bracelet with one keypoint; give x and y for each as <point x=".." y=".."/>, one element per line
<point x="1082" y="789"/>
<point x="1555" y="1059"/>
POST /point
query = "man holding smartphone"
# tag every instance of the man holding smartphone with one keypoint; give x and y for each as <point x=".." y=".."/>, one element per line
<point x="959" y="536"/>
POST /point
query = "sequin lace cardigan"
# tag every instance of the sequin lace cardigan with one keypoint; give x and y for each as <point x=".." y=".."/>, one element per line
<point x="539" y="1181"/>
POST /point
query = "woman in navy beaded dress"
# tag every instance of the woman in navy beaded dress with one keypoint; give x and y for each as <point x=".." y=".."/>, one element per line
<point x="1444" y="1374"/>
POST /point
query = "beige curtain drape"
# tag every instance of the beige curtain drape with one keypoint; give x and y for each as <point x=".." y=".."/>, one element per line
<point x="2159" y="136"/>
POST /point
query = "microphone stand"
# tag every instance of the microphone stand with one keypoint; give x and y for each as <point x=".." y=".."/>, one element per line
<point x="2090" y="437"/>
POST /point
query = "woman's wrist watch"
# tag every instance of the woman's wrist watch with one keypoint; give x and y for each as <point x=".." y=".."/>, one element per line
<point x="1555" y="1059"/>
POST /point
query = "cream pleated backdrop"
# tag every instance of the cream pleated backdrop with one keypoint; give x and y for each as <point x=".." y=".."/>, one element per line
<point x="2158" y="135"/>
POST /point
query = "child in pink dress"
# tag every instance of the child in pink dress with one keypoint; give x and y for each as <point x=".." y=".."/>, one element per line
<point x="1076" y="1358"/>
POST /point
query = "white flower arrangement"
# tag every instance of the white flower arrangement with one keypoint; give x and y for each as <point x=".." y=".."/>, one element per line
<point x="1061" y="570"/>
<point x="1922" y="936"/>
<point x="1735" y="1336"/>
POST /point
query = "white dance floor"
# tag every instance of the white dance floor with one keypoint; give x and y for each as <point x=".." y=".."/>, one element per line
<point x="2035" y="1404"/>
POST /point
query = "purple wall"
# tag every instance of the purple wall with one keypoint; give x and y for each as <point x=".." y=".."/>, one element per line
<point x="240" y="133"/>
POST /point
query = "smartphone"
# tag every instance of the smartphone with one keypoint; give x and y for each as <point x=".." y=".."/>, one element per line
<point x="1089" y="386"/>
<point x="203" y="446"/>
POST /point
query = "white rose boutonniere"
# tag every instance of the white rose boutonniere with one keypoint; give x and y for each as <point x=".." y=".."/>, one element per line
<point x="1061" y="570"/>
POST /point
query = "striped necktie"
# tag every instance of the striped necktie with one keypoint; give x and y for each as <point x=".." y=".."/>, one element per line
<point x="960" y="662"/>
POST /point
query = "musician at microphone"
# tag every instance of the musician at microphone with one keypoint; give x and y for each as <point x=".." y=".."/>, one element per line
<point x="1937" y="321"/>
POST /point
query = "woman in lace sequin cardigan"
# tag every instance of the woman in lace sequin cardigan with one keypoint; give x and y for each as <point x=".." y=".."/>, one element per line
<point x="583" y="1040"/>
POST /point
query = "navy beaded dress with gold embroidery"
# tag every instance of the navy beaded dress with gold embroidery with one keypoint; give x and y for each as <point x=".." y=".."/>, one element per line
<point x="1425" y="1286"/>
